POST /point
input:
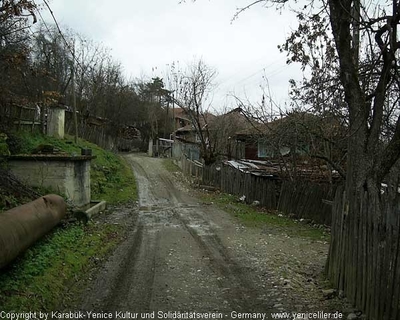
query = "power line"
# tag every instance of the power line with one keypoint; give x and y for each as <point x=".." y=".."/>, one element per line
<point x="238" y="72"/>
<point x="264" y="77"/>
<point x="226" y="84"/>
<point x="60" y="32"/>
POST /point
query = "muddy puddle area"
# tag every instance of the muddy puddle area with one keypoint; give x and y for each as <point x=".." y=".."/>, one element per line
<point x="181" y="256"/>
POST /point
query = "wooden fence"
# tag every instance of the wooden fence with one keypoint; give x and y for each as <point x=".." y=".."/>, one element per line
<point x="254" y="188"/>
<point x="364" y="255"/>
<point x="192" y="168"/>
<point x="21" y="117"/>
<point x="299" y="199"/>
<point x="307" y="200"/>
<point x="101" y="134"/>
<point x="34" y="119"/>
<point x="236" y="182"/>
<point x="212" y="175"/>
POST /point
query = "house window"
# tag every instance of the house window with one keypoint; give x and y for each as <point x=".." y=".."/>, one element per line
<point x="264" y="151"/>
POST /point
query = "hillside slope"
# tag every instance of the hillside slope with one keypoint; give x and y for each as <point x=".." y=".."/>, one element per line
<point x="50" y="272"/>
<point x="111" y="179"/>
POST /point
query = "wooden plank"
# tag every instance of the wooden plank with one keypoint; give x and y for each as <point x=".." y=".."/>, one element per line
<point x="394" y="306"/>
<point x="370" y="225"/>
<point x="363" y="258"/>
<point x="364" y="252"/>
<point x="386" y="263"/>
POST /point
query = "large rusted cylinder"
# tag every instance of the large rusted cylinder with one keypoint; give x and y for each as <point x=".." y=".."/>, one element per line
<point x="22" y="226"/>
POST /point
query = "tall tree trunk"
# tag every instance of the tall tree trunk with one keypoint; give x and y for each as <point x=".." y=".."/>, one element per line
<point x="358" y="160"/>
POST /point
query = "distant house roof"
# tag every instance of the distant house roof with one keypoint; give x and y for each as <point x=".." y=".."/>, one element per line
<point x="180" y="113"/>
<point x="205" y="118"/>
<point x="274" y="169"/>
<point x="238" y="120"/>
<point x="258" y="129"/>
<point x="187" y="128"/>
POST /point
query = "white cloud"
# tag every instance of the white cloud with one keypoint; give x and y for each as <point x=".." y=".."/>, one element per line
<point x="146" y="36"/>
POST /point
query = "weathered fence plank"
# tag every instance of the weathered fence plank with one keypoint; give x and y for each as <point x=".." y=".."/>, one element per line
<point x="304" y="200"/>
<point x="364" y="256"/>
<point x="364" y="253"/>
<point x="301" y="199"/>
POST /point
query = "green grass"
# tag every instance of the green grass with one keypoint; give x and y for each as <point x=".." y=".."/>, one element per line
<point x="256" y="217"/>
<point x="117" y="188"/>
<point x="111" y="178"/>
<point x="170" y="165"/>
<point x="38" y="279"/>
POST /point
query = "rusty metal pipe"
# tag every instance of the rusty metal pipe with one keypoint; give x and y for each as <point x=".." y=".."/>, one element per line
<point x="22" y="226"/>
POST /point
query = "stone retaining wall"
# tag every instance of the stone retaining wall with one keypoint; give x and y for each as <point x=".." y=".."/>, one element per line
<point x="66" y="175"/>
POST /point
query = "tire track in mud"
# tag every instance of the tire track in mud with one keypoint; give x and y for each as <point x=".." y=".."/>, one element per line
<point x="135" y="282"/>
<point x="232" y="277"/>
<point x="238" y="291"/>
<point x="183" y="255"/>
<point x="134" y="287"/>
<point x="173" y="239"/>
<point x="154" y="187"/>
<point x="126" y="281"/>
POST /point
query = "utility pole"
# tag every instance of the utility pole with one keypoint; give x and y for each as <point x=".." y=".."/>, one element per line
<point x="73" y="93"/>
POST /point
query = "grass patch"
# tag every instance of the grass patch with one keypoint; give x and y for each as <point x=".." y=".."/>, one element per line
<point x="9" y="200"/>
<point x="256" y="217"/>
<point x="170" y="165"/>
<point x="111" y="178"/>
<point x="119" y="188"/>
<point x="37" y="280"/>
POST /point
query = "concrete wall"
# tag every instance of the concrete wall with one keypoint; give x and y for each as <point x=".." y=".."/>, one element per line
<point x="150" y="150"/>
<point x="67" y="175"/>
<point x="56" y="122"/>
<point x="189" y="150"/>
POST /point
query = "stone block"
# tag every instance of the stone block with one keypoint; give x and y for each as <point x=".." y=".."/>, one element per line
<point x="70" y="176"/>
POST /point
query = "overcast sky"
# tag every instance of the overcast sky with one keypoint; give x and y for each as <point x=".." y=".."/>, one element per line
<point x="146" y="36"/>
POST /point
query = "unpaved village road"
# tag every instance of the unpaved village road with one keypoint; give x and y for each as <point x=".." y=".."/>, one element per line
<point x="185" y="255"/>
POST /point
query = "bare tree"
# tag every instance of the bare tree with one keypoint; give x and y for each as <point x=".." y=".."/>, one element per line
<point x="192" y="95"/>
<point x="20" y="9"/>
<point x="361" y="48"/>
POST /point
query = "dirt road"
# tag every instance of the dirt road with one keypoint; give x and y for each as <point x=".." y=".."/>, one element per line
<point x="187" y="256"/>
